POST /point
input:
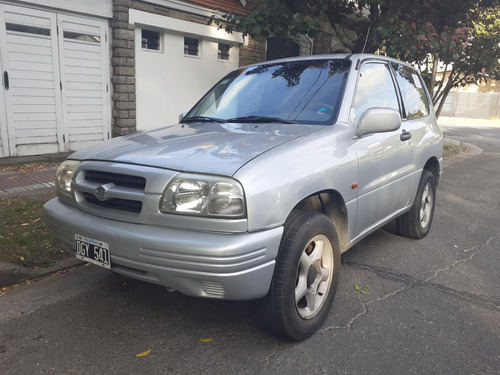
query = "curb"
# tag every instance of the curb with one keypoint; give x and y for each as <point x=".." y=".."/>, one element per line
<point x="12" y="274"/>
<point x="452" y="147"/>
<point x="46" y="158"/>
<point x="458" y="151"/>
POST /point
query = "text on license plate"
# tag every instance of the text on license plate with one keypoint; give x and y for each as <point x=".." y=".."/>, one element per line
<point x="93" y="251"/>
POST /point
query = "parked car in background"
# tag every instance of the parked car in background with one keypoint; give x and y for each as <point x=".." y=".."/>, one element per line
<point x="276" y="171"/>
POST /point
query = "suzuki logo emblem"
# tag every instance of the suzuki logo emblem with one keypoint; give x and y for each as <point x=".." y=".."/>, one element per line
<point x="101" y="192"/>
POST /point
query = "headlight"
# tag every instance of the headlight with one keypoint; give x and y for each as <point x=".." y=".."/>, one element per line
<point x="64" y="175"/>
<point x="208" y="196"/>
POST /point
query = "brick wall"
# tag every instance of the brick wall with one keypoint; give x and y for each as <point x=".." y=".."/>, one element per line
<point x="123" y="68"/>
<point x="254" y="52"/>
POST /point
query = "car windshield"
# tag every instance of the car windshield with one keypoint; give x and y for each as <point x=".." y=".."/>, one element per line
<point x="306" y="91"/>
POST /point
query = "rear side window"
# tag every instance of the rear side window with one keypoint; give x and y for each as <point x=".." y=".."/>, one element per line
<point x="412" y="90"/>
<point x="375" y="89"/>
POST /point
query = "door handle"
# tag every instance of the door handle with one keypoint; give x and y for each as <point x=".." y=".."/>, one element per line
<point x="6" y="80"/>
<point x="405" y="135"/>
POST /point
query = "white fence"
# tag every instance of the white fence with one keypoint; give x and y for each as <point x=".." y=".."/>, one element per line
<point x="472" y="105"/>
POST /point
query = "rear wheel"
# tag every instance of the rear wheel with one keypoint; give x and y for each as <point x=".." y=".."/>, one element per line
<point x="416" y="223"/>
<point x="305" y="277"/>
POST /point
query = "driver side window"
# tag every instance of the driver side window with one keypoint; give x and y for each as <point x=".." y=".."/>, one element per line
<point x="375" y="89"/>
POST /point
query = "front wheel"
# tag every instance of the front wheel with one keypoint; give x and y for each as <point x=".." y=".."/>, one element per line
<point x="416" y="223"/>
<point x="305" y="277"/>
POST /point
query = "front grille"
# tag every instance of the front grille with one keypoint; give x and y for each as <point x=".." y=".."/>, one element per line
<point x="115" y="203"/>
<point x="121" y="191"/>
<point x="123" y="180"/>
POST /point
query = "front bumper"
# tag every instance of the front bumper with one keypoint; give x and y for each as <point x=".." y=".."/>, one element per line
<point x="236" y="266"/>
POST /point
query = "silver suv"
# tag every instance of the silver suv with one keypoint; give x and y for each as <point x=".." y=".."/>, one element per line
<point x="276" y="171"/>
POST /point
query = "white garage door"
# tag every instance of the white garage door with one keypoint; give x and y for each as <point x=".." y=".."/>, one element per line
<point x="84" y="63"/>
<point x="54" y="73"/>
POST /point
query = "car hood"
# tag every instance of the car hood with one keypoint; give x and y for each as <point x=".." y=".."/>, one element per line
<point x="216" y="148"/>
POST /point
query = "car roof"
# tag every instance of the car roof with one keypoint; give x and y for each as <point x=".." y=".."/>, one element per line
<point x="354" y="57"/>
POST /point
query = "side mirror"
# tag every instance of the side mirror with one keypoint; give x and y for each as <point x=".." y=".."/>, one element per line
<point x="182" y="115"/>
<point x="378" y="120"/>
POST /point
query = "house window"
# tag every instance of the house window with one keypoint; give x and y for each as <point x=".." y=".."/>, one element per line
<point x="150" y="40"/>
<point x="191" y="47"/>
<point x="82" y="37"/>
<point x="27" y="29"/>
<point x="223" y="51"/>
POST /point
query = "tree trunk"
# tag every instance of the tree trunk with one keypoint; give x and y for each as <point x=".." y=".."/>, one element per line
<point x="444" y="94"/>
<point x="434" y="71"/>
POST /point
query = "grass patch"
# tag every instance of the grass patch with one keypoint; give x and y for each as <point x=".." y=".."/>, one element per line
<point x="24" y="240"/>
<point x="450" y="147"/>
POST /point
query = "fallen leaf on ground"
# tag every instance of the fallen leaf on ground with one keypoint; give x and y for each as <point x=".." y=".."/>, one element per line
<point x="143" y="354"/>
<point x="29" y="167"/>
<point x="363" y="290"/>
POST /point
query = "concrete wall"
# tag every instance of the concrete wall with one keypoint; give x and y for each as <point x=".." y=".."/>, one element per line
<point x="472" y="105"/>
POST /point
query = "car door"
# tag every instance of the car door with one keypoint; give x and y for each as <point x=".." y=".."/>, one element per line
<point x="417" y="119"/>
<point x="386" y="160"/>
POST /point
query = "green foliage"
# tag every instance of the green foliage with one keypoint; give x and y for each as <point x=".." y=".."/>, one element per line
<point x="275" y="17"/>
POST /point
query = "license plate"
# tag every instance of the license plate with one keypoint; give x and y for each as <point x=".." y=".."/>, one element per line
<point x="92" y="251"/>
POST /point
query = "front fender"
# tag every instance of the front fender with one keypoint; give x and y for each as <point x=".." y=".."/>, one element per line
<point x="278" y="180"/>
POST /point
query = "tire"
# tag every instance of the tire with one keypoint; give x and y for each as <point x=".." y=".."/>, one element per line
<point x="307" y="265"/>
<point x="416" y="223"/>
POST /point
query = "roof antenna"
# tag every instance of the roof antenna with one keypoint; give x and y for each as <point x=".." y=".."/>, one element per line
<point x="366" y="39"/>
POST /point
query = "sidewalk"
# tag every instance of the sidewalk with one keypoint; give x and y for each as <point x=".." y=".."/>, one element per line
<point x="17" y="183"/>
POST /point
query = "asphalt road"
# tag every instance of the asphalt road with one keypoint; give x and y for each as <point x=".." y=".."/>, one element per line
<point x="433" y="307"/>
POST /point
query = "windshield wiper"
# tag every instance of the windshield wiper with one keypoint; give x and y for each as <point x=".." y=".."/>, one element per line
<point x="201" y="119"/>
<point x="260" y="119"/>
